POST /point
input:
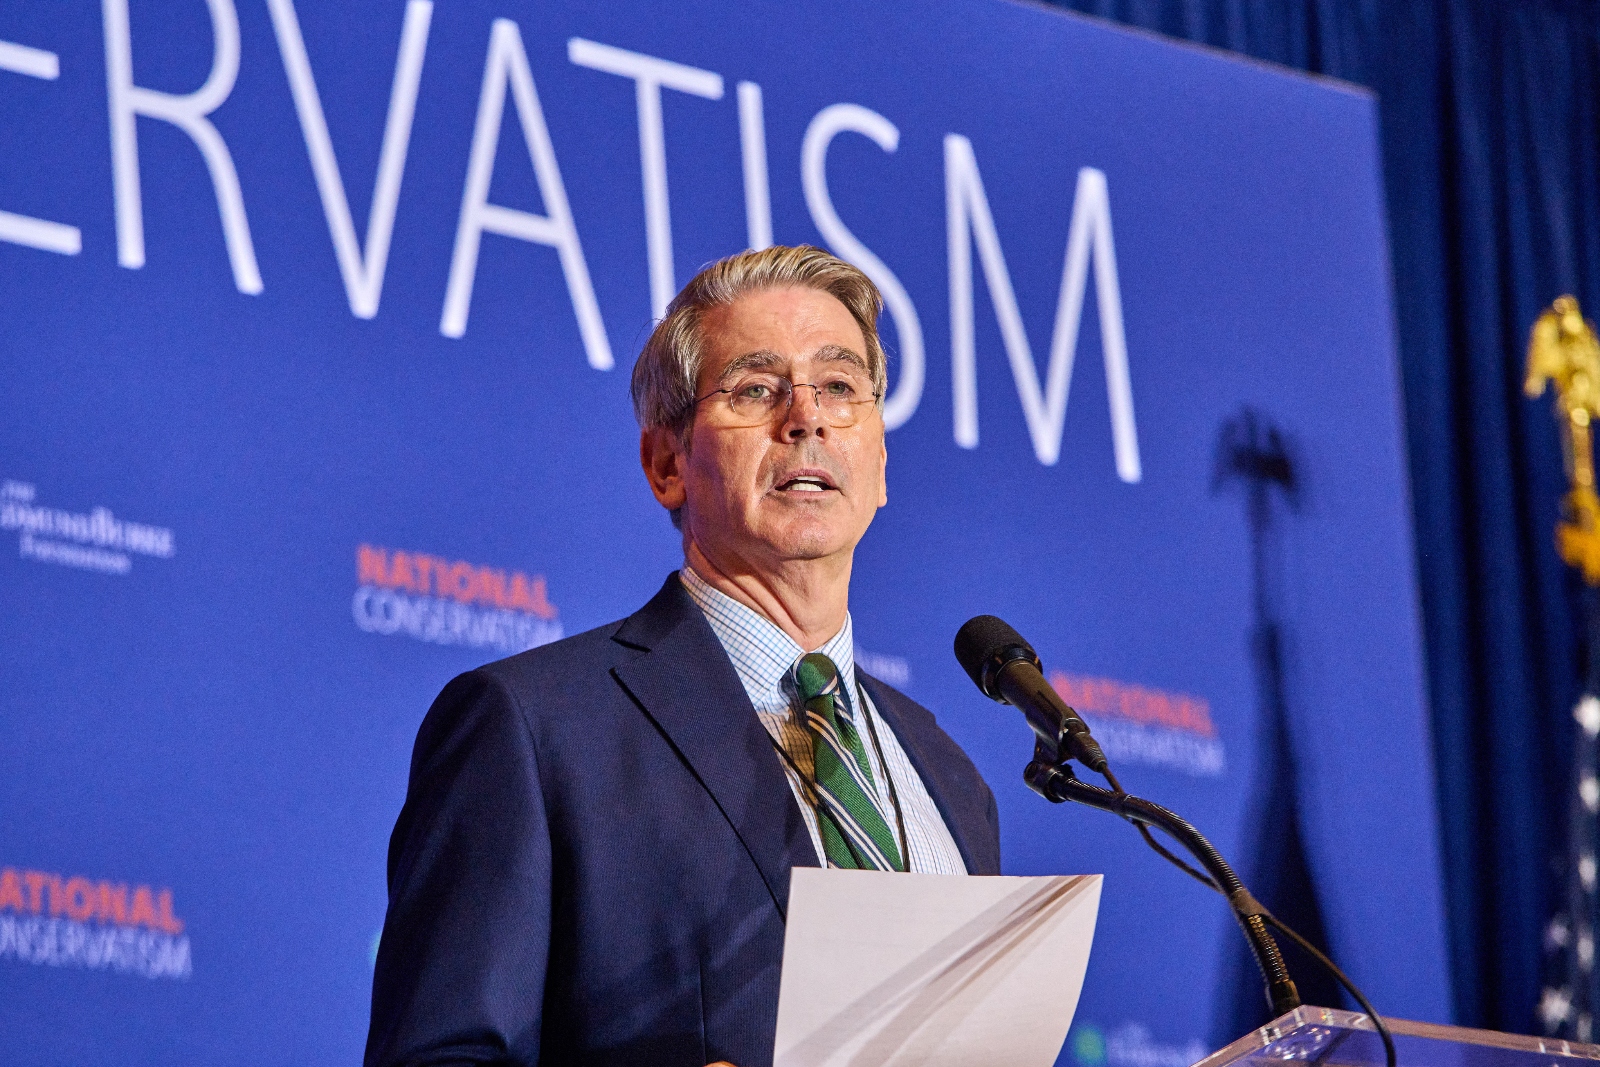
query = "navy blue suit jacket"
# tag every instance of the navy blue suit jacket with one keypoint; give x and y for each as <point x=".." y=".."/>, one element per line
<point x="592" y="864"/>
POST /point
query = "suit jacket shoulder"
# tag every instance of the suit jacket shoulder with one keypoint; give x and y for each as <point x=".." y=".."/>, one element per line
<point x="592" y="864"/>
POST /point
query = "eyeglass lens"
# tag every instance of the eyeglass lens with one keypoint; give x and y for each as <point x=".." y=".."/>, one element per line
<point x="841" y="400"/>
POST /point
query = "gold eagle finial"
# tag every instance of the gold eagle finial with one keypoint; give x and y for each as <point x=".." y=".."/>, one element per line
<point x="1563" y="349"/>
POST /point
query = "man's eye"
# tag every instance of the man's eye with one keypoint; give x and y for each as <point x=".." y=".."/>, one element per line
<point x="840" y="389"/>
<point x="756" y="391"/>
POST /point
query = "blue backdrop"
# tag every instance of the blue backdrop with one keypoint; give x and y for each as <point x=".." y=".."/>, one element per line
<point x="265" y="508"/>
<point x="1492" y="171"/>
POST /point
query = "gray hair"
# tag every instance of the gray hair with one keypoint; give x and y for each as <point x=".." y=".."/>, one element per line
<point x="668" y="369"/>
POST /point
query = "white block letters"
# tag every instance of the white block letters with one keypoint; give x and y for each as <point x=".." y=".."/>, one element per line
<point x="828" y="124"/>
<point x="968" y="218"/>
<point x="24" y="229"/>
<point x="649" y="75"/>
<point x="508" y="63"/>
<point x="188" y="112"/>
<point x="362" y="270"/>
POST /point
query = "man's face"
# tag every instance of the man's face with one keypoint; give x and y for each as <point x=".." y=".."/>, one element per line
<point x="759" y="493"/>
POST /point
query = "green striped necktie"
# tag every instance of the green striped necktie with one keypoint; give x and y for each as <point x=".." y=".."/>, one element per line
<point x="854" y="833"/>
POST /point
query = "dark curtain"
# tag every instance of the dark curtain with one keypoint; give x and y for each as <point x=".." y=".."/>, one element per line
<point x="1489" y="134"/>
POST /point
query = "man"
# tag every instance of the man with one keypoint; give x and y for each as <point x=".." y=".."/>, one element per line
<point x="592" y="865"/>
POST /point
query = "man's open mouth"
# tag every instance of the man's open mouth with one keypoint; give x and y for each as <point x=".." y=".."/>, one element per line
<point x="806" y="483"/>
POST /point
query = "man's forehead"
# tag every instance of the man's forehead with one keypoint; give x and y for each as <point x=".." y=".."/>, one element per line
<point x="766" y="359"/>
<point x="782" y="318"/>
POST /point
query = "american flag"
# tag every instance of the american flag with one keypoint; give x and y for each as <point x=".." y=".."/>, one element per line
<point x="1570" y="998"/>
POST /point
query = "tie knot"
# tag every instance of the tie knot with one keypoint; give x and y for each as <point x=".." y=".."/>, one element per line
<point x="816" y="676"/>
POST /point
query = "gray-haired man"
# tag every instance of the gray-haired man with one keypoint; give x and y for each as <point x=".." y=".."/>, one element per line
<point x="593" y="862"/>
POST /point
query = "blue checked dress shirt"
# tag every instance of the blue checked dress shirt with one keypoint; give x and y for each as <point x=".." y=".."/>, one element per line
<point x="765" y="658"/>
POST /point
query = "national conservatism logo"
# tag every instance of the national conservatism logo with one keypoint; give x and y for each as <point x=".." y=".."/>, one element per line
<point x="56" y="920"/>
<point x="1137" y="724"/>
<point x="95" y="540"/>
<point x="451" y="602"/>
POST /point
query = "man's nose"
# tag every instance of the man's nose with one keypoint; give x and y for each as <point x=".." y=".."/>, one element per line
<point x="805" y="413"/>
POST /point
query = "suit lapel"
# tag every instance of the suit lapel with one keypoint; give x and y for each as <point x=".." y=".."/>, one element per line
<point x="968" y="824"/>
<point x="685" y="683"/>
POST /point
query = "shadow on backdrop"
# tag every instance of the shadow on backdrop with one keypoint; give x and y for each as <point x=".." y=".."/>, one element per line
<point x="1252" y="455"/>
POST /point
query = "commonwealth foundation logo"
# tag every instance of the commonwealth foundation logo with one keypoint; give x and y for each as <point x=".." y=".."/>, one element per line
<point x="451" y="602"/>
<point x="1137" y="724"/>
<point x="96" y="540"/>
<point x="53" y="920"/>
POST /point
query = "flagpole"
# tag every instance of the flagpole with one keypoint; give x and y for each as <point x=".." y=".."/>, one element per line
<point x="1563" y="350"/>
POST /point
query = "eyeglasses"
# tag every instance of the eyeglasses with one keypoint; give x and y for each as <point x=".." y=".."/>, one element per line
<point x="755" y="399"/>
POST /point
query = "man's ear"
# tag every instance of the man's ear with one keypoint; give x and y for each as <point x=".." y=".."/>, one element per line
<point x="883" y="474"/>
<point x="661" y="456"/>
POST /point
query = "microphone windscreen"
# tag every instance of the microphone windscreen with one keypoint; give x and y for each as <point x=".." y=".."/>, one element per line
<point x="981" y="638"/>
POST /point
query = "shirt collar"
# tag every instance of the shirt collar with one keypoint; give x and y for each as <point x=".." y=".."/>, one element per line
<point x="762" y="654"/>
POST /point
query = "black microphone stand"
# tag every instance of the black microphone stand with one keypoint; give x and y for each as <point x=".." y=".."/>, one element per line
<point x="1050" y="777"/>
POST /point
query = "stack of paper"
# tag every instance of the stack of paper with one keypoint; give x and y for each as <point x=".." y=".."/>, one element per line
<point x="884" y="969"/>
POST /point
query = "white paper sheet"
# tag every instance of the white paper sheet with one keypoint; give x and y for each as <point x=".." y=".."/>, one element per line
<point x="885" y="969"/>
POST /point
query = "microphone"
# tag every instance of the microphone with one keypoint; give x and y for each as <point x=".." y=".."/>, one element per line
<point x="1006" y="668"/>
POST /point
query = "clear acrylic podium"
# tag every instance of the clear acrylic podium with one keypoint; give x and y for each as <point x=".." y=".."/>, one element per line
<point x="1325" y="1037"/>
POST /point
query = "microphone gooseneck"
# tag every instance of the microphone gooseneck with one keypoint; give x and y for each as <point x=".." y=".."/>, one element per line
<point x="1005" y="668"/>
<point x="1057" y="783"/>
